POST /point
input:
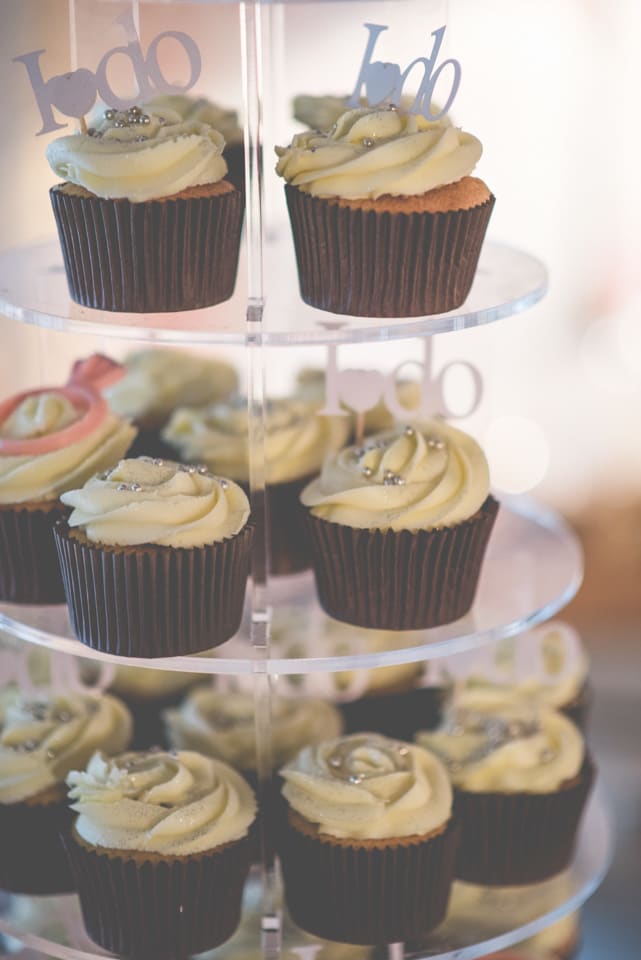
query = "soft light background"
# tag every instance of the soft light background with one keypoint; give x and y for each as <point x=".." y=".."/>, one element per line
<point x="552" y="90"/>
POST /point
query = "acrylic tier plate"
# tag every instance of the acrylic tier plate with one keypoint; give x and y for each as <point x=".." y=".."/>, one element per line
<point x="480" y="919"/>
<point x="33" y="289"/>
<point x="532" y="569"/>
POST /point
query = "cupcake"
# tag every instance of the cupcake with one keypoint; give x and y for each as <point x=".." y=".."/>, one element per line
<point x="42" y="738"/>
<point x="369" y="846"/>
<point x="223" y="725"/>
<point x="51" y="440"/>
<point x="398" y="527"/>
<point x="297" y="441"/>
<point x="544" y="667"/>
<point x="146" y="220"/>
<point x="521" y="780"/>
<point x="159" y="851"/>
<point x="386" y="219"/>
<point x="148" y="693"/>
<point x="201" y="110"/>
<point x="157" y="381"/>
<point x="155" y="558"/>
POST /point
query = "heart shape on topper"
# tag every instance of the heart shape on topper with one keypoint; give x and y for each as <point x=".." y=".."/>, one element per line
<point x="383" y="79"/>
<point x="360" y="389"/>
<point x="74" y="94"/>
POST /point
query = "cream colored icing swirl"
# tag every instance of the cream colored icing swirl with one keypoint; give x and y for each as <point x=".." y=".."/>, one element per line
<point x="121" y="158"/>
<point x="157" y="501"/>
<point x="46" y="476"/>
<point x="201" y="110"/>
<point x="157" y="381"/>
<point x="223" y="725"/>
<point x="45" y="736"/>
<point x="409" y="478"/>
<point x="367" y="786"/>
<point x="321" y="113"/>
<point x="175" y="804"/>
<point x="513" y="751"/>
<point x="371" y="152"/>
<point x="297" y="438"/>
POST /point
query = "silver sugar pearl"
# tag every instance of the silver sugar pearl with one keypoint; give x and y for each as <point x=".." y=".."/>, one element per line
<point x="224" y="484"/>
<point x="356" y="778"/>
<point x="367" y="142"/>
<point x="141" y="139"/>
<point x="161" y="121"/>
<point x="122" y="487"/>
<point x="403" y="751"/>
<point x="191" y="470"/>
<point x="134" y="111"/>
<point x="388" y="475"/>
<point x="367" y="472"/>
<point x="144" y="119"/>
<point x="203" y="471"/>
<point x="27" y="746"/>
<point x="158" y="462"/>
<point x="398" y="481"/>
<point x="135" y="487"/>
<point x="409" y="431"/>
<point x="110" y="114"/>
<point x="335" y="762"/>
<point x="120" y="123"/>
<point x="434" y="443"/>
<point x="392" y="106"/>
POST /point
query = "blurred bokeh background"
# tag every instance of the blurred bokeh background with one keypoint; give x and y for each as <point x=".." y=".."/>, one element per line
<point x="552" y="91"/>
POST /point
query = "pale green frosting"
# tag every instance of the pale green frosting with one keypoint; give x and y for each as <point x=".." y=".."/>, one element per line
<point x="203" y="111"/>
<point x="161" y="502"/>
<point x="141" y="163"/>
<point x="46" y="476"/>
<point x="296" y="443"/>
<point x="223" y="725"/>
<point x="367" y="786"/>
<point x="43" y="737"/>
<point x="409" y="478"/>
<point x="175" y="804"/>
<point x="158" y="381"/>
<point x="512" y="751"/>
<point x="371" y="152"/>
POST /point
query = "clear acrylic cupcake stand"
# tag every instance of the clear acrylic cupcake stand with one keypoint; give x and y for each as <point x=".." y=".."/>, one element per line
<point x="533" y="567"/>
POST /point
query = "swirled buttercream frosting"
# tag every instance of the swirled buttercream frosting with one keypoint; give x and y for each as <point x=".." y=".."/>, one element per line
<point x="157" y="381"/>
<point x="157" y="501"/>
<point x="223" y="725"/>
<point x="202" y="110"/>
<point x="174" y="804"/>
<point x="45" y="476"/>
<point x="43" y="737"/>
<point x="516" y="750"/>
<point x="140" y="156"/>
<point x="410" y="478"/>
<point x="297" y="439"/>
<point x="367" y="786"/>
<point x="322" y="112"/>
<point x="373" y="152"/>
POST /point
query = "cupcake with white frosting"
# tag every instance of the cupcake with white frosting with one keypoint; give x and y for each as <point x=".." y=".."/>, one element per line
<point x="223" y="725"/>
<point x="160" y="851"/>
<point x="399" y="526"/>
<point x="386" y="219"/>
<point x="521" y="779"/>
<point x="222" y="119"/>
<point x="51" y="440"/>
<point x="155" y="382"/>
<point x="145" y="198"/>
<point x="155" y="558"/>
<point x="42" y="738"/>
<point x="369" y="845"/>
<point x="297" y="441"/>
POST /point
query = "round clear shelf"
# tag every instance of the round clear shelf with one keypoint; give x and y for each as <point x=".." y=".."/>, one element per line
<point x="480" y="920"/>
<point x="532" y="569"/>
<point x="33" y="289"/>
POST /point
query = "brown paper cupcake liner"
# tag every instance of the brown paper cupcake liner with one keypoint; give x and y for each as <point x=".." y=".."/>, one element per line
<point x="368" y="894"/>
<point x="32" y="857"/>
<point x="399" y="580"/>
<point x="288" y="544"/>
<point x="520" y="838"/>
<point x="29" y="571"/>
<point x="179" y="253"/>
<point x="152" y="601"/>
<point x="234" y="154"/>
<point x="399" y="715"/>
<point x="372" y="263"/>
<point x="159" y="909"/>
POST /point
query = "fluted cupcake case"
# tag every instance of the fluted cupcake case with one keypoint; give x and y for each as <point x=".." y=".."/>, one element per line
<point x="116" y="258"/>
